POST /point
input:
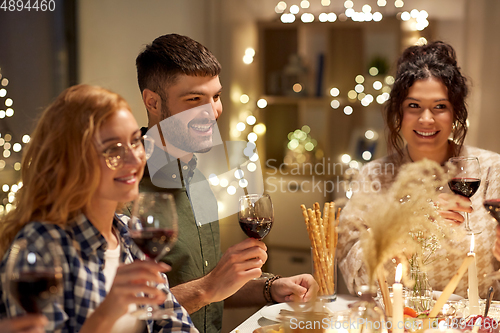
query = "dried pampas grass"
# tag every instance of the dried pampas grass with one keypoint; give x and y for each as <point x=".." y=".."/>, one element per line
<point x="390" y="219"/>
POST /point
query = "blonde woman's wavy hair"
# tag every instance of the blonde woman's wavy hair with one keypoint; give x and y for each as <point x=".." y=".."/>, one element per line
<point x="60" y="168"/>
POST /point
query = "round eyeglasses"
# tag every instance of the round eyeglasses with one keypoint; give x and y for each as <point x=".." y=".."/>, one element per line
<point x="116" y="154"/>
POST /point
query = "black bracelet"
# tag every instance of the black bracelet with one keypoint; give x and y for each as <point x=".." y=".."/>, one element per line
<point x="267" y="289"/>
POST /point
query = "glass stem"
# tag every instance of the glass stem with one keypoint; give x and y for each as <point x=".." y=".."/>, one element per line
<point x="467" y="227"/>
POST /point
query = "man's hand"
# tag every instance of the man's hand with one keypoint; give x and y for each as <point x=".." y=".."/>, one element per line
<point x="31" y="323"/>
<point x="450" y="204"/>
<point x="239" y="264"/>
<point x="298" y="288"/>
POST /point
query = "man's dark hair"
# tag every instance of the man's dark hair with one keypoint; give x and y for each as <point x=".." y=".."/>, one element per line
<point x="436" y="60"/>
<point x="170" y="55"/>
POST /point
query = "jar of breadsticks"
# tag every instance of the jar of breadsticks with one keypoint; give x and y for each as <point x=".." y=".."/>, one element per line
<point x="322" y="230"/>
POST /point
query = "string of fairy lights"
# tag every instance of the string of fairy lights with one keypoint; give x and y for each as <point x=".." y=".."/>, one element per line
<point x="324" y="11"/>
<point x="11" y="147"/>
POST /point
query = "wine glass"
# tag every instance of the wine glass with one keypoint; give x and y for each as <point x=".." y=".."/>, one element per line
<point x="256" y="217"/>
<point x="153" y="228"/>
<point x="466" y="181"/>
<point x="32" y="279"/>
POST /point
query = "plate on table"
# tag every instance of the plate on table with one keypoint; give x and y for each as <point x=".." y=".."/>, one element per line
<point x="269" y="329"/>
<point x="453" y="297"/>
<point x="272" y="312"/>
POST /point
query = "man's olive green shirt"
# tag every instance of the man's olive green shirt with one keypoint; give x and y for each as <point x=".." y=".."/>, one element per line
<point x="197" y="250"/>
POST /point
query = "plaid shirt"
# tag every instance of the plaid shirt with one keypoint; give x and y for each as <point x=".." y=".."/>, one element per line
<point x="82" y="250"/>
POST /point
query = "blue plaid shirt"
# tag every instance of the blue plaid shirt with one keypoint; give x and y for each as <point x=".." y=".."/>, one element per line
<point x="82" y="250"/>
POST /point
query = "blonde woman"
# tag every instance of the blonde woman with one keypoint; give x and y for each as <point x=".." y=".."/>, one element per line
<point x="72" y="187"/>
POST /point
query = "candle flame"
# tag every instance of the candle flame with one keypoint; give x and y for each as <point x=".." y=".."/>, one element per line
<point x="472" y="243"/>
<point x="399" y="273"/>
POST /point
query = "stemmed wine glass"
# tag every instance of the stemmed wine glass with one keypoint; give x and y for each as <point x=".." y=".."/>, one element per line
<point x="32" y="279"/>
<point x="466" y="181"/>
<point x="153" y="227"/>
<point x="256" y="217"/>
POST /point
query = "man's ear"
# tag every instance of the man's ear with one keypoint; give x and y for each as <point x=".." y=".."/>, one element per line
<point x="152" y="101"/>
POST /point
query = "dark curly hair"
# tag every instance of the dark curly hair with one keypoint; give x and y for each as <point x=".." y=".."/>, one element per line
<point x="437" y="60"/>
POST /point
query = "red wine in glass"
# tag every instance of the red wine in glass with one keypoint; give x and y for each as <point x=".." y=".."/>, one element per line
<point x="464" y="186"/>
<point x="493" y="207"/>
<point x="465" y="181"/>
<point x="155" y="243"/>
<point x="257" y="228"/>
<point x="153" y="228"/>
<point x="33" y="279"/>
<point x="35" y="290"/>
<point x="256" y="215"/>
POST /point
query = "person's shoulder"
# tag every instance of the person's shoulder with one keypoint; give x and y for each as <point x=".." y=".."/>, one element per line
<point x="486" y="157"/>
<point x="37" y="232"/>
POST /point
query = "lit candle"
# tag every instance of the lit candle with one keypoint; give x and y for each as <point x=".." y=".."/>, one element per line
<point x="450" y="287"/>
<point x="473" y="284"/>
<point x="397" y="298"/>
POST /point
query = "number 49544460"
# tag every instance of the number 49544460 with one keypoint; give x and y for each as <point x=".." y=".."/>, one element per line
<point x="28" y="5"/>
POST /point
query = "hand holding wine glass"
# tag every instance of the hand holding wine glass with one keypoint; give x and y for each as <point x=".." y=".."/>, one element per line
<point x="153" y="227"/>
<point x="32" y="279"/>
<point x="256" y="217"/>
<point x="466" y="181"/>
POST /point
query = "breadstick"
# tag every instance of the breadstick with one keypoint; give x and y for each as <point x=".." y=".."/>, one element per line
<point x="327" y="243"/>
<point x="317" y="248"/>
<point x="333" y="240"/>
<point x="327" y="225"/>
<point x="306" y="220"/>
<point x="317" y="211"/>
<point x="319" y="220"/>
<point x="332" y="229"/>
<point x="309" y="230"/>
<point x="335" y="234"/>
<point x="337" y="221"/>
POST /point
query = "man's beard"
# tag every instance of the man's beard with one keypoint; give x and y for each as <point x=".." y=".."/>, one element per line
<point x="177" y="134"/>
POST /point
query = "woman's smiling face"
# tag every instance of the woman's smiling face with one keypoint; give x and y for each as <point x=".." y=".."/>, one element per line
<point x="427" y="117"/>
<point x="122" y="184"/>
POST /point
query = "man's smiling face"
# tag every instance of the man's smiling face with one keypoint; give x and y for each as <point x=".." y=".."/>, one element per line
<point x="192" y="108"/>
